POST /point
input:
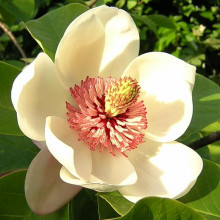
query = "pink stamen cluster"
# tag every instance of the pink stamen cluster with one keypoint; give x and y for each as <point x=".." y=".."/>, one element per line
<point x="118" y="133"/>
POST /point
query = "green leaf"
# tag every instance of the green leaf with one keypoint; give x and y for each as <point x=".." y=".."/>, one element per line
<point x="162" y="21"/>
<point x="84" y="206"/>
<point x="206" y="105"/>
<point x="105" y="210"/>
<point x="6" y="17"/>
<point x="22" y="10"/>
<point x="49" y="29"/>
<point x="120" y="3"/>
<point x="146" y="21"/>
<point x="8" y="119"/>
<point x="212" y="151"/>
<point x="213" y="42"/>
<point x="168" y="37"/>
<point x="204" y="196"/>
<point x="131" y="4"/>
<point x="154" y="208"/>
<point x="16" y="152"/>
<point x="117" y="201"/>
<point x="8" y="122"/>
<point x="208" y="15"/>
<point x="7" y="76"/>
<point x="13" y="203"/>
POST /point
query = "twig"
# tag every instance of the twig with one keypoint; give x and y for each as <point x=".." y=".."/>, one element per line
<point x="9" y="33"/>
<point x="213" y="137"/>
<point x="91" y="3"/>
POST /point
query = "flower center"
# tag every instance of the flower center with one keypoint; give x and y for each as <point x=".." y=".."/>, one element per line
<point x="108" y="114"/>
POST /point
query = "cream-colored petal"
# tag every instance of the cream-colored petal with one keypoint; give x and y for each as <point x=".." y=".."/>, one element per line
<point x="62" y="142"/>
<point x="167" y="97"/>
<point x="159" y="65"/>
<point x="102" y="40"/>
<point x="113" y="170"/>
<point x="108" y="172"/>
<point x="79" y="52"/>
<point x="121" y="40"/>
<point x="44" y="190"/>
<point x="169" y="110"/>
<point x="94" y="183"/>
<point x="35" y="94"/>
<point x="164" y="169"/>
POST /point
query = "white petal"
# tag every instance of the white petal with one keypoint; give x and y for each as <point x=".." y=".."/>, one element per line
<point x="44" y="190"/>
<point x="67" y="177"/>
<point x="114" y="170"/>
<point x="102" y="40"/>
<point x="164" y="169"/>
<point x="63" y="144"/>
<point x="36" y="94"/>
<point x="108" y="172"/>
<point x="167" y="97"/>
<point x="80" y="50"/>
<point x="121" y="40"/>
<point x="155" y="65"/>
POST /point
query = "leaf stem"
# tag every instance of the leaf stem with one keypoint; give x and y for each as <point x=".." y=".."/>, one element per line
<point x="213" y="137"/>
<point x="12" y="37"/>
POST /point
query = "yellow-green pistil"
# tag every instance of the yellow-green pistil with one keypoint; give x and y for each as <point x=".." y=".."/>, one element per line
<point x="120" y="95"/>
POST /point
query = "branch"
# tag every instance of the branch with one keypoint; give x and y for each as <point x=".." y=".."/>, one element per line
<point x="9" y="33"/>
<point x="213" y="137"/>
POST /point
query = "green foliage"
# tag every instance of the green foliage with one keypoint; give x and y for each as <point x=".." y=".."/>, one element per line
<point x="47" y="33"/>
<point x="204" y="196"/>
<point x="206" y="104"/>
<point x="18" y="149"/>
<point x="159" y="208"/>
<point x="8" y="121"/>
<point x="13" y="203"/>
<point x="117" y="201"/>
<point x="15" y="10"/>
<point x="7" y="76"/>
<point x="84" y="206"/>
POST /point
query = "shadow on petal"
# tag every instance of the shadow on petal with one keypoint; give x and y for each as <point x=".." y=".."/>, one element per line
<point x="168" y="115"/>
<point x="163" y="169"/>
<point x="44" y="190"/>
<point x="116" y="66"/>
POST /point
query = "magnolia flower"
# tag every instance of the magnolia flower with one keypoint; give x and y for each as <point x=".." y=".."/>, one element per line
<point x="106" y="118"/>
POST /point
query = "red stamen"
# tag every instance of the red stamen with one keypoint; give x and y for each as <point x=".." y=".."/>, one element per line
<point x="119" y="133"/>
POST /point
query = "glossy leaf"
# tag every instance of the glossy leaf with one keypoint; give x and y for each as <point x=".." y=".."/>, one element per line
<point x="7" y="76"/>
<point x="84" y="206"/>
<point x="212" y="151"/>
<point x="206" y="105"/>
<point x="16" y="152"/>
<point x="8" y="122"/>
<point x="49" y="29"/>
<point x="162" y="21"/>
<point x="6" y="17"/>
<point x="146" y="21"/>
<point x="154" y="208"/>
<point x="13" y="203"/>
<point x="16" y="8"/>
<point x="117" y="201"/>
<point x="204" y="196"/>
<point x="105" y="210"/>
